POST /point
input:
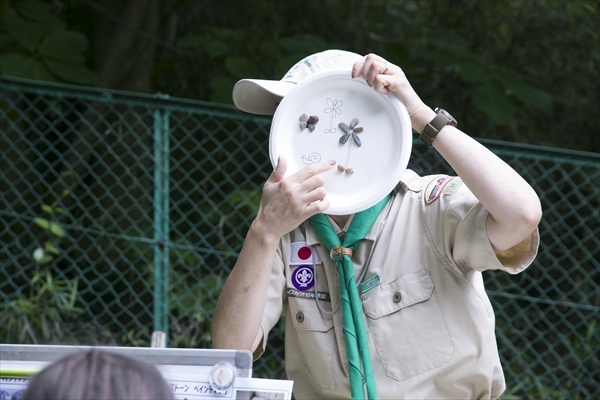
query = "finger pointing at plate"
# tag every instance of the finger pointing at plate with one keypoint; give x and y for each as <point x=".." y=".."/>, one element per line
<point x="286" y="202"/>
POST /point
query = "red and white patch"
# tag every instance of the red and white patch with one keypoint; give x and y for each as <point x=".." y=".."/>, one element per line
<point x="435" y="188"/>
<point x="300" y="253"/>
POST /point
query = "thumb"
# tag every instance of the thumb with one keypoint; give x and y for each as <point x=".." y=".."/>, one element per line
<point x="279" y="171"/>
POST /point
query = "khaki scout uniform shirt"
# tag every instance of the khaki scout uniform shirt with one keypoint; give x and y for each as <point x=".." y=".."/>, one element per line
<point x="429" y="321"/>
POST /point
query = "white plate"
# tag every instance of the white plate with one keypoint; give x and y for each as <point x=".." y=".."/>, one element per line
<point x="334" y="97"/>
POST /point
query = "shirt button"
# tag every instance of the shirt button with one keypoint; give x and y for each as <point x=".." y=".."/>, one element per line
<point x="300" y="317"/>
<point x="397" y="297"/>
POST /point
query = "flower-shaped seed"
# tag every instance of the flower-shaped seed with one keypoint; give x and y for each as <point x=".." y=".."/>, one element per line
<point x="308" y="122"/>
<point x="350" y="130"/>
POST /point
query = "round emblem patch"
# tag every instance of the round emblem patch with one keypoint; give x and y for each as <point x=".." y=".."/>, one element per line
<point x="303" y="277"/>
<point x="304" y="253"/>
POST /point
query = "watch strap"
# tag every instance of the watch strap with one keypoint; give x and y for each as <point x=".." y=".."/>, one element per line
<point x="431" y="129"/>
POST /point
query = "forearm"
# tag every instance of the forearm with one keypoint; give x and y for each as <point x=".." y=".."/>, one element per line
<point x="513" y="204"/>
<point x="285" y="203"/>
<point x="241" y="305"/>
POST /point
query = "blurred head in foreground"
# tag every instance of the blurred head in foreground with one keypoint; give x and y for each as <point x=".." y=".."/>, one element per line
<point x="98" y="374"/>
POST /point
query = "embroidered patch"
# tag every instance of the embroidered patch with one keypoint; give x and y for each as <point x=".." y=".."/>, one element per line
<point x="308" y="295"/>
<point x="291" y="72"/>
<point x="451" y="186"/>
<point x="370" y="283"/>
<point x="435" y="188"/>
<point x="303" y="277"/>
<point x="300" y="254"/>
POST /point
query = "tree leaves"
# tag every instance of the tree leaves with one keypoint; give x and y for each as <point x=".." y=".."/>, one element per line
<point x="41" y="13"/>
<point x="212" y="46"/>
<point x="494" y="87"/>
<point x="523" y="91"/>
<point x="52" y="227"/>
<point x="42" y="223"/>
<point x="45" y="49"/>
<point x="240" y="67"/>
<point x="23" y="66"/>
<point x="72" y="72"/>
<point x="221" y="87"/>
<point x="65" y="46"/>
<point x="57" y="230"/>
<point x="236" y="54"/>
<point x="489" y="97"/>
<point x="27" y="33"/>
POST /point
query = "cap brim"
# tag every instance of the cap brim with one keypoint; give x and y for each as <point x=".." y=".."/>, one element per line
<point x="258" y="96"/>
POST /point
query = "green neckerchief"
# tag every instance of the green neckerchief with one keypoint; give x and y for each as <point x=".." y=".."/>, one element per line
<point x="357" y="345"/>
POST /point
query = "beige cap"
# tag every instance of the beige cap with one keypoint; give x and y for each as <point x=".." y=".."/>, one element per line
<point x="261" y="96"/>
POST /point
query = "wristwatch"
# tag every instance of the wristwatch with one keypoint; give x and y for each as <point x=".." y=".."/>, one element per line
<point x="431" y="129"/>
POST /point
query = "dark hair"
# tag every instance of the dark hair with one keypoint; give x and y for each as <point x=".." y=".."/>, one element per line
<point x="98" y="374"/>
<point x="415" y="165"/>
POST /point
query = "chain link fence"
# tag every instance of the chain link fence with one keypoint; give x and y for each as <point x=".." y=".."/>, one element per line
<point x="123" y="214"/>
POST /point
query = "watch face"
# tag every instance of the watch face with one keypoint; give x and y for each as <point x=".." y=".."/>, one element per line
<point x="452" y="122"/>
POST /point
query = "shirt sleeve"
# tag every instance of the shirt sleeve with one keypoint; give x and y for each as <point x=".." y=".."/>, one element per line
<point x="463" y="223"/>
<point x="275" y="300"/>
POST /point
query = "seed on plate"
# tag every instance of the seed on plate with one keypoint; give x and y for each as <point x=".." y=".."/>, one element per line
<point x="344" y="127"/>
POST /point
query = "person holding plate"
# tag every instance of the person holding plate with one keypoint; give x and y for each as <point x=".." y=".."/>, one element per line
<point x="386" y="301"/>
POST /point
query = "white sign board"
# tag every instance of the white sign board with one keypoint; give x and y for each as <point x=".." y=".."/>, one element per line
<point x="188" y="372"/>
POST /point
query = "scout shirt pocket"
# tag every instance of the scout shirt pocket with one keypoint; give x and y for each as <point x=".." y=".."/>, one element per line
<point x="407" y="325"/>
<point x="314" y="333"/>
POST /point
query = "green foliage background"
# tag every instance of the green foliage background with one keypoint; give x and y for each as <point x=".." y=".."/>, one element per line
<point x="521" y="71"/>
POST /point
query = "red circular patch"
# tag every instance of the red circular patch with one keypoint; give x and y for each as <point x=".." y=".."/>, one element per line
<point x="304" y="253"/>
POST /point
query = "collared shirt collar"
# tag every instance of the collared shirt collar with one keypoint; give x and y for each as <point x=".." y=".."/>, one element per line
<point x="312" y="238"/>
<point x="410" y="181"/>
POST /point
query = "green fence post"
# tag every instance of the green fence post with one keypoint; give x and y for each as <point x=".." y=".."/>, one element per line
<point x="161" y="227"/>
